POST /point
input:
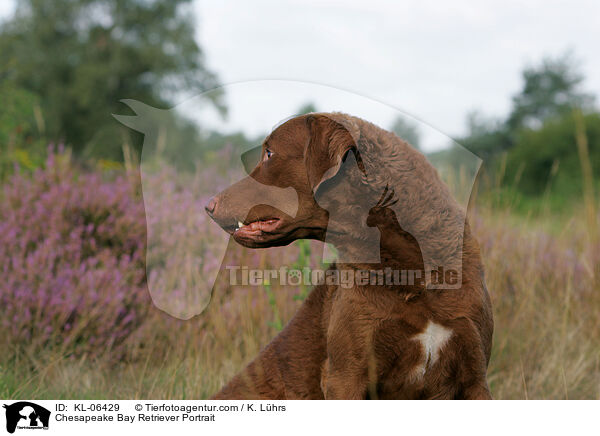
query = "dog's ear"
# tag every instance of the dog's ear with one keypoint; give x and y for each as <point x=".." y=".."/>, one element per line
<point x="328" y="146"/>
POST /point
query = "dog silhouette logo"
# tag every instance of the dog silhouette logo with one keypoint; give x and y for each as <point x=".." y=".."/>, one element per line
<point x="26" y="415"/>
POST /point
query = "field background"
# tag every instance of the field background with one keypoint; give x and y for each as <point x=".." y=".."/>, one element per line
<point x="79" y="322"/>
<point x="76" y="315"/>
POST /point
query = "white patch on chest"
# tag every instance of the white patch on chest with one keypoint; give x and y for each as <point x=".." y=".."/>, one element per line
<point x="432" y="340"/>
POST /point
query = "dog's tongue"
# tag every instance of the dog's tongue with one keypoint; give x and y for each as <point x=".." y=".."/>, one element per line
<point x="261" y="225"/>
<point x="258" y="226"/>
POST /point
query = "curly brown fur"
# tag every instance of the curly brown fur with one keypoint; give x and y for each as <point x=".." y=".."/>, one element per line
<point x="370" y="341"/>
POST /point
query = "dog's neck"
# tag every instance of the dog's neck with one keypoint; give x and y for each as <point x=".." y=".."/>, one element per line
<point x="396" y="248"/>
<point x="398" y="251"/>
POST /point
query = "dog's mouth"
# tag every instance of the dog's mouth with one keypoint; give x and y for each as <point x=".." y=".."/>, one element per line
<point x="257" y="230"/>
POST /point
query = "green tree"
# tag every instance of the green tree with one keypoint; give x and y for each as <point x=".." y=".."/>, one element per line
<point x="549" y="90"/>
<point x="21" y="129"/>
<point x="82" y="56"/>
<point x="547" y="158"/>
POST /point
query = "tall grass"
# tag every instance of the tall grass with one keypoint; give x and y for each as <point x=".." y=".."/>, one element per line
<point x="546" y="301"/>
<point x="541" y="276"/>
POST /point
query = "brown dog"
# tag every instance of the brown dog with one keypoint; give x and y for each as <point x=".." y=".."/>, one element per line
<point x="372" y="340"/>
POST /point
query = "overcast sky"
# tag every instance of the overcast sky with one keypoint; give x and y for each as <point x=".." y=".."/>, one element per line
<point x="434" y="60"/>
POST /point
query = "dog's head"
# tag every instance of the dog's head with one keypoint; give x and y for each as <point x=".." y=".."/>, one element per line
<point x="345" y="181"/>
<point x="299" y="161"/>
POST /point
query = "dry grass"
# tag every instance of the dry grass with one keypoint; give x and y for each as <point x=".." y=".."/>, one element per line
<point x="544" y="287"/>
<point x="545" y="293"/>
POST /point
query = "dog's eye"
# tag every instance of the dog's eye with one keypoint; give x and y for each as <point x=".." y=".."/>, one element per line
<point x="268" y="154"/>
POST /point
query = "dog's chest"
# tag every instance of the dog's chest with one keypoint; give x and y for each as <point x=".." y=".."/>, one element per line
<point x="432" y="340"/>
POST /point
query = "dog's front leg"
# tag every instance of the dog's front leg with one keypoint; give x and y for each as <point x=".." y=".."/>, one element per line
<point x="260" y="380"/>
<point x="343" y="382"/>
<point x="350" y="369"/>
<point x="479" y="391"/>
<point x="289" y="367"/>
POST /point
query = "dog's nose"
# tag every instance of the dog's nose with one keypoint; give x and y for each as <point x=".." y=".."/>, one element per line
<point x="211" y="206"/>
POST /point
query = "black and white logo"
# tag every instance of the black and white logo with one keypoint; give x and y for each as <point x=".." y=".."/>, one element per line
<point x="26" y="415"/>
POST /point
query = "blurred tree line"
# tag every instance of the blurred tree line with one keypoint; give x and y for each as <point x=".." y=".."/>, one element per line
<point x="66" y="64"/>
<point x="533" y="153"/>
